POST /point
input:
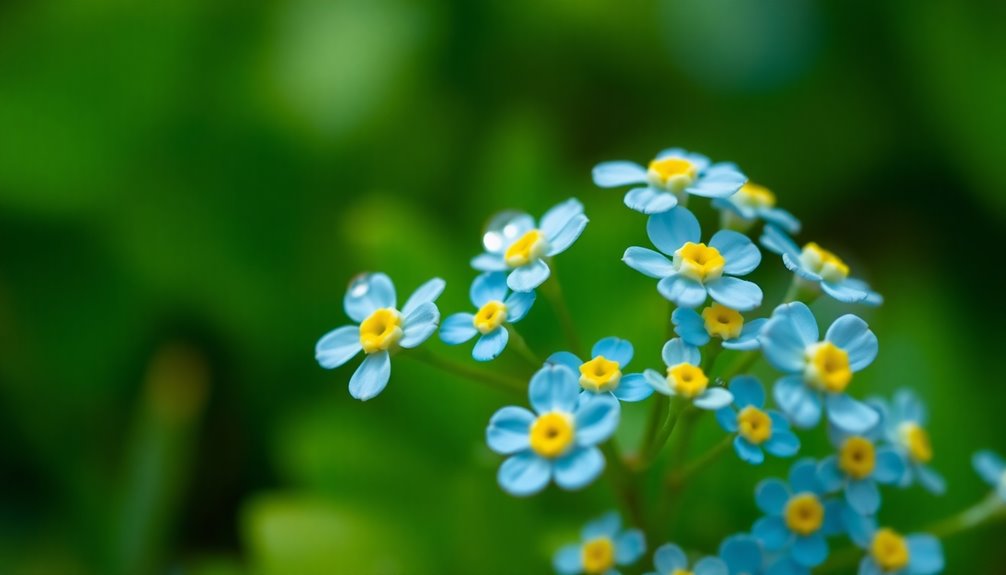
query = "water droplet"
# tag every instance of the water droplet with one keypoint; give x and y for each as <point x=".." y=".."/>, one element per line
<point x="359" y="285"/>
<point x="503" y="228"/>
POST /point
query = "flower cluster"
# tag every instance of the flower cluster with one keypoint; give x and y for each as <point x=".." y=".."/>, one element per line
<point x="576" y="400"/>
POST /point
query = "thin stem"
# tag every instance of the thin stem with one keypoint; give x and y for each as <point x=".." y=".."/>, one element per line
<point x="678" y="479"/>
<point x="553" y="291"/>
<point x="670" y="421"/>
<point x="519" y="344"/>
<point x="715" y="348"/>
<point x="658" y="415"/>
<point x="742" y="365"/>
<point x="623" y="482"/>
<point x="490" y="378"/>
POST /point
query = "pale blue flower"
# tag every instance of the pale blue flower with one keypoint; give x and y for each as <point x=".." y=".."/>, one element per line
<point x="890" y="553"/>
<point x="559" y="441"/>
<point x="669" y="179"/>
<point x="515" y="243"/>
<point x="861" y="463"/>
<point x="820" y="370"/>
<point x="686" y="379"/>
<point x="669" y="559"/>
<point x="717" y="321"/>
<point x="603" y="372"/>
<point x="904" y="424"/>
<point x="496" y="308"/>
<point x="371" y="302"/>
<point x="992" y="469"/>
<point x="750" y="204"/>
<point x="604" y="545"/>
<point x="818" y="268"/>
<point x="697" y="270"/>
<point x="743" y="555"/>
<point x="756" y="428"/>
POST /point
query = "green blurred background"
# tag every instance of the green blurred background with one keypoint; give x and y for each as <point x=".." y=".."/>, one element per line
<point x="186" y="188"/>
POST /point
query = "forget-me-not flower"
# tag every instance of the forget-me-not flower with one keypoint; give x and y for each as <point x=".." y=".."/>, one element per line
<point x="904" y="424"/>
<point x="992" y="469"/>
<point x="890" y="553"/>
<point x="496" y="308"/>
<point x="604" y="546"/>
<point x="558" y="441"/>
<point x="518" y="245"/>
<point x="756" y="427"/>
<point x="743" y="555"/>
<point x="717" y="320"/>
<point x="859" y="466"/>
<point x="669" y="559"/>
<point x="697" y="269"/>
<point x="371" y="301"/>
<point x="603" y="373"/>
<point x="669" y="179"/>
<point x="820" y="370"/>
<point x="818" y="268"/>
<point x="750" y="204"/>
<point x="685" y="378"/>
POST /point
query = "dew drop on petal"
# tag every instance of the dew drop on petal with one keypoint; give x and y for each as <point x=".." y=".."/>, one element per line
<point x="359" y="285"/>
<point x="502" y="229"/>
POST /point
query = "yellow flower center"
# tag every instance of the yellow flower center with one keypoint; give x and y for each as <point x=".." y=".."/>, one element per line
<point x="381" y="331"/>
<point x="889" y="550"/>
<point x="526" y="249"/>
<point x="600" y="374"/>
<point x="687" y="380"/>
<point x="490" y="316"/>
<point x="722" y="321"/>
<point x="671" y="173"/>
<point x="755" y="196"/>
<point x="824" y="263"/>
<point x="828" y="367"/>
<point x="804" y="513"/>
<point x="598" y="555"/>
<point x="857" y="457"/>
<point x="552" y="434"/>
<point x="681" y="572"/>
<point x="754" y="425"/>
<point x="916" y="441"/>
<point x="699" y="261"/>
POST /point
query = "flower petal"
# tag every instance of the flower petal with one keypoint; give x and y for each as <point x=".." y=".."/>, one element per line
<point x="606" y="525"/>
<point x="676" y="351"/>
<point x="776" y="240"/>
<point x="567" y="236"/>
<point x="672" y="229"/>
<point x="727" y="418"/>
<point x="596" y="418"/>
<point x="630" y="545"/>
<point x="690" y="326"/>
<point x="748" y="338"/>
<point x="371" y="377"/>
<point x="713" y="398"/>
<point x="747" y="391"/>
<point x="803" y="320"/>
<point x="529" y="277"/>
<point x="740" y="253"/>
<point x="890" y="465"/>
<point x="457" y="328"/>
<point x="518" y="304"/>
<point x="489" y="346"/>
<point x="509" y="430"/>
<point x="614" y="349"/>
<point x="803" y="477"/>
<point x="524" y="474"/>
<point x="426" y="293"/>
<point x="648" y="262"/>
<point x="931" y="480"/>
<point x="558" y="216"/>
<point x="418" y="326"/>
<point x="863" y="496"/>
<point x="719" y="181"/>
<point x="783" y="443"/>
<point x="748" y="452"/>
<point x="850" y="415"/>
<point x="578" y="468"/>
<point x="683" y="291"/>
<point x="771" y="496"/>
<point x="338" y="346"/>
<point x="772" y="533"/>
<point x="649" y="200"/>
<point x="908" y="407"/>
<point x="845" y="292"/>
<point x="926" y="554"/>
<point x="781" y="218"/>
<point x="783" y="346"/>
<point x="368" y="293"/>
<point x="742" y="554"/>
<point x="554" y="388"/>
<point x="669" y="557"/>
<point x="735" y="293"/>
<point x="853" y="335"/>
<point x="618" y="173"/>
<point x="657" y="382"/>
<point x="633" y="387"/>
<point x="809" y="551"/>
<point x="567" y="359"/>
<point x="801" y="405"/>
<point x="710" y="566"/>
<point x="989" y="466"/>
<point x="489" y="263"/>
<point x="829" y="475"/>
<point x="487" y="287"/>
<point x="569" y="560"/>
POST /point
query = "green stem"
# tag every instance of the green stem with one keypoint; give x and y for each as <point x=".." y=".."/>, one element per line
<point x="742" y="365"/>
<point x="553" y="291"/>
<point x="674" y="411"/>
<point x="624" y="483"/>
<point x="519" y="344"/>
<point x="489" y="378"/>
<point x="715" y="349"/>
<point x="658" y="414"/>
<point x="678" y="479"/>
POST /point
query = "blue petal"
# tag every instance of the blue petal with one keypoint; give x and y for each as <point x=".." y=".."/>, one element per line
<point x="569" y="560"/>
<point x="658" y="382"/>
<point x="872" y="298"/>
<point x="490" y="345"/>
<point x="783" y="346"/>
<point x="797" y="267"/>
<point x="504" y="228"/>
<point x="727" y="418"/>
<point x="567" y="236"/>
<point x="690" y="326"/>
<point x="803" y="320"/>
<point x="524" y="474"/>
<point x="739" y="252"/>
<point x="710" y="566"/>
<point x="908" y="407"/>
<point x="784" y="565"/>
<point x="926" y="555"/>
<point x="426" y="293"/>
<point x="566" y="359"/>
<point x="747" y="391"/>
<point x="489" y="263"/>
<point x="783" y="443"/>
<point x="633" y="387"/>
<point x="518" y="304"/>
<point x="742" y="554"/>
<point x="869" y="567"/>
<point x="851" y="415"/>
<point x="932" y="481"/>
<point x="683" y="291"/>
<point x="368" y="293"/>
<point x="371" y="377"/>
<point x="989" y="466"/>
<point x="618" y="173"/>
<point x="672" y="229"/>
<point x="487" y="287"/>
<point x="801" y="405"/>
<point x="853" y="335"/>
<point x="648" y="262"/>
<point x="829" y="475"/>
<point x="735" y="293"/>
<point x="719" y="181"/>
<point x="596" y="418"/>
<point x="860" y="528"/>
<point x="606" y="525"/>
<point x="649" y="200"/>
<point x="771" y="495"/>
<point x="529" y="277"/>
<point x="554" y="388"/>
<point x="559" y="216"/>
<point x="834" y="522"/>
<point x="772" y="533"/>
<point x="578" y="468"/>
<point x="614" y="349"/>
<point x="418" y="326"/>
<point x="629" y="546"/>
<point x="863" y="496"/>
<point x="803" y="477"/>
<point x="713" y="398"/>
<point x="781" y="218"/>
<point x="509" y="430"/>
<point x="776" y="240"/>
<point x="748" y="338"/>
<point x="669" y="558"/>
<point x="890" y="465"/>
<point x="844" y="292"/>
<point x="810" y="551"/>
<point x="676" y="351"/>
<point x="338" y="346"/>
<point x="748" y="452"/>
<point x="458" y="328"/>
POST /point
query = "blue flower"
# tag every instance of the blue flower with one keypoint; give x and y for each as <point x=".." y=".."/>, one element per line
<point x="717" y="320"/>
<point x="669" y="559"/>
<point x="604" y="545"/>
<point x="697" y="269"/>
<point x="559" y="442"/>
<point x="890" y="553"/>
<point x="370" y="301"/>
<point x="743" y="555"/>
<point x="669" y="179"/>
<point x="904" y="425"/>
<point x="819" y="269"/>
<point x="797" y="517"/>
<point x="603" y="373"/>
<point x="496" y="309"/>
<point x="858" y="467"/>
<point x="750" y="204"/>
<point x="686" y="379"/>
<point x="992" y="469"/>
<point x="820" y="370"/>
<point x="515" y="243"/>
<point x="755" y="427"/>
